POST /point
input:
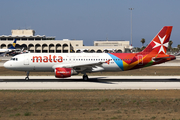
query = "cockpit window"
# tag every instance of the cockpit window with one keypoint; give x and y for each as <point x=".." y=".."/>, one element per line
<point x="14" y="59"/>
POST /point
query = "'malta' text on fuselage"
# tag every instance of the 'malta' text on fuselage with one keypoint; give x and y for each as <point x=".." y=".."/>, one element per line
<point x="46" y="59"/>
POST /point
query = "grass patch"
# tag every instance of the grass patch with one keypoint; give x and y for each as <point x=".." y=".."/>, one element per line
<point x="94" y="109"/>
<point x="103" y="109"/>
<point x="17" y="114"/>
<point x="84" y="104"/>
<point x="114" y="117"/>
<point x="27" y="114"/>
<point x="153" y="117"/>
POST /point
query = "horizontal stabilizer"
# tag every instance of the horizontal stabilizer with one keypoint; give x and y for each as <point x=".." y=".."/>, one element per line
<point x="163" y="58"/>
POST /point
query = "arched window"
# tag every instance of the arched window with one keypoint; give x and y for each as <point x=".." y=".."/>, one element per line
<point x="38" y="48"/>
<point x="51" y="48"/>
<point x="58" y="48"/>
<point x="44" y="48"/>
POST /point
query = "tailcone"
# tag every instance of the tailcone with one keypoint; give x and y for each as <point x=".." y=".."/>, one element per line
<point x="172" y="57"/>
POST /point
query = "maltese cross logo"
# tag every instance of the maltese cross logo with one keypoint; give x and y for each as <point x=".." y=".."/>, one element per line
<point x="161" y="44"/>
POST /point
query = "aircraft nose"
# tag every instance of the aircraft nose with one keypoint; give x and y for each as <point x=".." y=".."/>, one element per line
<point x="7" y="65"/>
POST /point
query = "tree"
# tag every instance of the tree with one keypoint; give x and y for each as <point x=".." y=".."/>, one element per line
<point x="142" y="41"/>
<point x="178" y="46"/>
<point x="170" y="45"/>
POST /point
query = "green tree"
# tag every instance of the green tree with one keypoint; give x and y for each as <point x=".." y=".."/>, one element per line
<point x="170" y="45"/>
<point x="143" y="48"/>
<point x="142" y="41"/>
<point x="178" y="46"/>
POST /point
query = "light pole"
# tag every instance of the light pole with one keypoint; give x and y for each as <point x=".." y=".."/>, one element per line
<point x="131" y="24"/>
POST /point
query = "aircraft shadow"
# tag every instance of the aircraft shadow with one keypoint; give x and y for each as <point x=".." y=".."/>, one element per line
<point x="93" y="80"/>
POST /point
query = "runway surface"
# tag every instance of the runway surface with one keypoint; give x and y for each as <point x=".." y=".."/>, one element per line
<point x="95" y="82"/>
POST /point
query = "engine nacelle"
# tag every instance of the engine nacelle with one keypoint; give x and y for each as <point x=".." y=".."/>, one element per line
<point x="64" y="72"/>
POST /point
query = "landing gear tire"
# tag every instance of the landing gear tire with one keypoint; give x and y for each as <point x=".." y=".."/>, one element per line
<point x="85" y="77"/>
<point x="27" y="78"/>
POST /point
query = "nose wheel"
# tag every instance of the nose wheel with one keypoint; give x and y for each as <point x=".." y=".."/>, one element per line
<point x="85" y="77"/>
<point x="26" y="78"/>
<point x="27" y="74"/>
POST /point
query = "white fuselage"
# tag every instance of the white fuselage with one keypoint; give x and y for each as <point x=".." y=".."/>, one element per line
<point x="49" y="61"/>
<point x="5" y="50"/>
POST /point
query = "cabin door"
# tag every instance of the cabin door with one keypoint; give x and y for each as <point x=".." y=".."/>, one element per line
<point x="26" y="60"/>
<point x="140" y="59"/>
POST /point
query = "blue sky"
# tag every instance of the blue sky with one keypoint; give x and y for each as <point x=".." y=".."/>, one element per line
<point x="91" y="20"/>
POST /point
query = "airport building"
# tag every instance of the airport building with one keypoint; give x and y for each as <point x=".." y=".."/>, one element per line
<point x="27" y="39"/>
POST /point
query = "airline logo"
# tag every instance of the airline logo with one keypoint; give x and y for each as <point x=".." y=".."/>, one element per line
<point x="161" y="44"/>
<point x="14" y="44"/>
<point x="107" y="61"/>
<point x="46" y="59"/>
<point x="62" y="72"/>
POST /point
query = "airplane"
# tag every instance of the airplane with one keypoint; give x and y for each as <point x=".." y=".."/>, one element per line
<point x="67" y="64"/>
<point x="10" y="49"/>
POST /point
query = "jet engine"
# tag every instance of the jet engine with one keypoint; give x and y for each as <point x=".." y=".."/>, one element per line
<point x="64" y="72"/>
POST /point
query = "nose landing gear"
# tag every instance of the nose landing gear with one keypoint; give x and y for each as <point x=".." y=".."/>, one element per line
<point x="27" y="74"/>
<point x="85" y="77"/>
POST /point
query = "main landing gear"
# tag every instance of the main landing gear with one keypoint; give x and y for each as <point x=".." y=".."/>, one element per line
<point x="27" y="74"/>
<point x="85" y="77"/>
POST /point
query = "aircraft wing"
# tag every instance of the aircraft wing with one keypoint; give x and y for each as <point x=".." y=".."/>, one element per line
<point x="2" y="54"/>
<point x="83" y="67"/>
<point x="92" y="64"/>
<point x="5" y="52"/>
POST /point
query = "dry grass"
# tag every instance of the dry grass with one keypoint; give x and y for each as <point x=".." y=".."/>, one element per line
<point x="90" y="104"/>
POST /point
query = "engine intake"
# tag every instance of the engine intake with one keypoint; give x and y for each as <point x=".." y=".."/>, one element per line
<point x="64" y="72"/>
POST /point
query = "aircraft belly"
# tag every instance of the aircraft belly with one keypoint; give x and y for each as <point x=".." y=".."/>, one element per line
<point x="42" y="67"/>
<point x="112" y="67"/>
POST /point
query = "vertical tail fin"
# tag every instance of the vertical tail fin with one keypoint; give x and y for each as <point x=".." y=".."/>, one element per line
<point x="13" y="46"/>
<point x="160" y="42"/>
